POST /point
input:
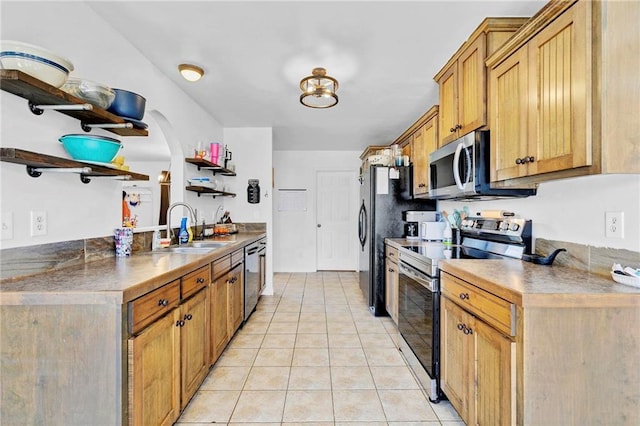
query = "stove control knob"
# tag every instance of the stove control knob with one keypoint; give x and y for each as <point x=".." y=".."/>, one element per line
<point x="514" y="227"/>
<point x="504" y="225"/>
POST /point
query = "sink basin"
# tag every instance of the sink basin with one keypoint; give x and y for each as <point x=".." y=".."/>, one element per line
<point x="191" y="249"/>
<point x="208" y="244"/>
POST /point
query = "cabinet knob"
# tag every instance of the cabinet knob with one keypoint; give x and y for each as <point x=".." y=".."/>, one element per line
<point x="458" y="126"/>
<point x="464" y="296"/>
<point x="529" y="159"/>
<point x="519" y="161"/>
<point x="422" y="185"/>
<point x="188" y="317"/>
<point x="467" y="330"/>
<point x="180" y="323"/>
<point x="391" y="270"/>
<point x="452" y="130"/>
<point x="163" y="302"/>
<point x="199" y="280"/>
<point x="461" y="326"/>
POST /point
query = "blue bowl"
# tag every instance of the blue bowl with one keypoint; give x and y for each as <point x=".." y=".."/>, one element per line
<point x="91" y="148"/>
<point x="128" y="104"/>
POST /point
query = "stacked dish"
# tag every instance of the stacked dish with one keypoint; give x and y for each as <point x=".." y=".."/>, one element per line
<point x="36" y="61"/>
<point x="94" y="93"/>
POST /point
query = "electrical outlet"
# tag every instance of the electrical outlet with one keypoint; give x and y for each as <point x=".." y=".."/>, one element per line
<point x="614" y="224"/>
<point x="7" y="225"/>
<point x="38" y="223"/>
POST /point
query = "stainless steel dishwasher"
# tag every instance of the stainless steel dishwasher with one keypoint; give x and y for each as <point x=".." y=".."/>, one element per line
<point x="251" y="278"/>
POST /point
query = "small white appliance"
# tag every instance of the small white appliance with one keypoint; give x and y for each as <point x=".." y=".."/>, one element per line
<point x="432" y="231"/>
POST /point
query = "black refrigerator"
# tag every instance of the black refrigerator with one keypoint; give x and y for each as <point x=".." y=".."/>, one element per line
<point x="383" y="198"/>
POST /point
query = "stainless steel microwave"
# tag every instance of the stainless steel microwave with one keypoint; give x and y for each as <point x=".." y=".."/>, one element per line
<point x="460" y="170"/>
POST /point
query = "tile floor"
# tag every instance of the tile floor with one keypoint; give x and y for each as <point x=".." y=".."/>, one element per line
<point x="312" y="354"/>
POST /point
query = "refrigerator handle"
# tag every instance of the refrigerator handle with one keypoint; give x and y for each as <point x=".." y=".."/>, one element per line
<point x="362" y="225"/>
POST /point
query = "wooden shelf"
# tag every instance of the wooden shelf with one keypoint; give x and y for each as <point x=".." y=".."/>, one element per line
<point x="40" y="93"/>
<point x="209" y="191"/>
<point x="208" y="165"/>
<point x="34" y="160"/>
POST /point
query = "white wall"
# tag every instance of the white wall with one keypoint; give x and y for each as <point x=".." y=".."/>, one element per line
<point x="252" y="152"/>
<point x="574" y="209"/>
<point x="101" y="54"/>
<point x="294" y="233"/>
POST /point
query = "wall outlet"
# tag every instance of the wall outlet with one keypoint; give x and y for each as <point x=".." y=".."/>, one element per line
<point x="614" y="224"/>
<point x="6" y="219"/>
<point x="38" y="223"/>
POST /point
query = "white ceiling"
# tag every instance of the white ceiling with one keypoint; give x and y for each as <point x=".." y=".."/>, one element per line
<point x="383" y="53"/>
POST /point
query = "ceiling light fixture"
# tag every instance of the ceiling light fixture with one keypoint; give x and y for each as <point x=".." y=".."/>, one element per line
<point x="319" y="90"/>
<point x="191" y="72"/>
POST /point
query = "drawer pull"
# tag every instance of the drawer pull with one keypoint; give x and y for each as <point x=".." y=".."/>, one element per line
<point x="180" y="323"/>
<point x="163" y="302"/>
<point x="188" y="317"/>
<point x="464" y="296"/>
<point x="200" y="280"/>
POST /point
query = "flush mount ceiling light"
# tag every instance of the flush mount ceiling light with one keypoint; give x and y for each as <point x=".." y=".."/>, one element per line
<point x="191" y="72"/>
<point x="319" y="90"/>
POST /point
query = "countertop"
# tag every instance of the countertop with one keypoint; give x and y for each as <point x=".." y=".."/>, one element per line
<point x="117" y="280"/>
<point x="528" y="284"/>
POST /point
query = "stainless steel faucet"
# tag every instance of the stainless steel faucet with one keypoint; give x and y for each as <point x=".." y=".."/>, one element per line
<point x="193" y="217"/>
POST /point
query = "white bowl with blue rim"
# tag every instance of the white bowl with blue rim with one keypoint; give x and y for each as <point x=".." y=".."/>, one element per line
<point x="36" y="61"/>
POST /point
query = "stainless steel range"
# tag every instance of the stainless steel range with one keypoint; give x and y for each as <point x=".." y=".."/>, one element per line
<point x="419" y="286"/>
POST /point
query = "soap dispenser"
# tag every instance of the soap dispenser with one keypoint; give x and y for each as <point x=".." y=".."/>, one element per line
<point x="183" y="236"/>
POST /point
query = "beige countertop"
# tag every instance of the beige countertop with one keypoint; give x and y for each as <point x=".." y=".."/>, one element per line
<point x="529" y="284"/>
<point x="115" y="280"/>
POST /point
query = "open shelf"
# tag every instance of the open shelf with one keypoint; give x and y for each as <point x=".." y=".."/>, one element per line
<point x="208" y="165"/>
<point x="209" y="191"/>
<point x="34" y="160"/>
<point x="40" y="93"/>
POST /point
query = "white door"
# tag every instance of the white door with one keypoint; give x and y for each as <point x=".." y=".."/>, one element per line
<point x="337" y="220"/>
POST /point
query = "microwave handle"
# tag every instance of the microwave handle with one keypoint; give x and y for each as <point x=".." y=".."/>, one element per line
<point x="456" y="166"/>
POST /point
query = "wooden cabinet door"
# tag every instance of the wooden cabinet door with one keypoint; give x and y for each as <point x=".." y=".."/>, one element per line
<point x="430" y="137"/>
<point x="494" y="377"/>
<point x="194" y="344"/>
<point x="508" y="116"/>
<point x="235" y="303"/>
<point x="456" y="372"/>
<point x="448" y="111"/>
<point x="559" y="79"/>
<point x="420" y="183"/>
<point x="391" y="289"/>
<point x="154" y="373"/>
<point x="472" y="92"/>
<point x="219" y="316"/>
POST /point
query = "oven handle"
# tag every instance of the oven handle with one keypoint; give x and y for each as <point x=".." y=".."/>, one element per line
<point x="421" y="278"/>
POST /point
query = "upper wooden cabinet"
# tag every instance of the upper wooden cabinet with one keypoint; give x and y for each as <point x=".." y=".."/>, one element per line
<point x="463" y="80"/>
<point x="551" y="87"/>
<point x="420" y="140"/>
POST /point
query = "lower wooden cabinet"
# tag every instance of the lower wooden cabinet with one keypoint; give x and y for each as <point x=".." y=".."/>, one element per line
<point x="154" y="373"/>
<point x="194" y="344"/>
<point x="218" y="291"/>
<point x="236" y="298"/>
<point x="477" y="365"/>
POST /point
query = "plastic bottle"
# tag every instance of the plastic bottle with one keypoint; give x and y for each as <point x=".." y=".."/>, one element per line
<point x="447" y="235"/>
<point x="183" y="236"/>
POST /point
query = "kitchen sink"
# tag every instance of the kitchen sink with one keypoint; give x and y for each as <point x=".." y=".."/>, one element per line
<point x="208" y="244"/>
<point x="190" y="249"/>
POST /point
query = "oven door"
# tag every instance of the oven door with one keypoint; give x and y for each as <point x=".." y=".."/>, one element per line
<point x="419" y="326"/>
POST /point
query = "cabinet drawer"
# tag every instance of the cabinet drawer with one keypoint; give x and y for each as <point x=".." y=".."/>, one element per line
<point x="490" y="308"/>
<point x="220" y="267"/>
<point x="237" y="257"/>
<point x="391" y="253"/>
<point x="146" y="309"/>
<point x="195" y="280"/>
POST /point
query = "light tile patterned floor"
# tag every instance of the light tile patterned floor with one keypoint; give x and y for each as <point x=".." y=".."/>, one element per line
<point x="313" y="355"/>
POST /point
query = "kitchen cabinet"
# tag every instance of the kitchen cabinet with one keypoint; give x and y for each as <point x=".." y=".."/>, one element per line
<point x="421" y="137"/>
<point x="226" y="298"/>
<point x="549" y="85"/>
<point x="203" y="164"/>
<point x="391" y="282"/>
<point x="39" y="93"/>
<point x="478" y="353"/>
<point x="168" y="349"/>
<point x="463" y="80"/>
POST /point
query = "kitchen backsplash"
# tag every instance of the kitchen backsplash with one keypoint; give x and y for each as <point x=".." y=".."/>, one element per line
<point x="597" y="260"/>
<point x="23" y="261"/>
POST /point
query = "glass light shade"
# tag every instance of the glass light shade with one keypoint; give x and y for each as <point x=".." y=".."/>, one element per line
<point x="191" y="72"/>
<point x="319" y="90"/>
